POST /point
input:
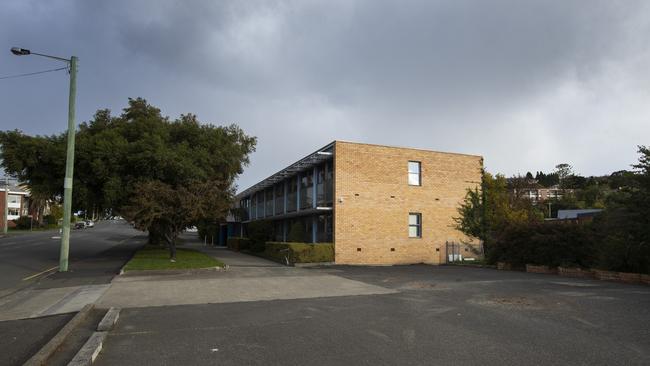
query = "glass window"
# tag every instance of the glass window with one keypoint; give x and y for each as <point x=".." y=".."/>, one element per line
<point x="324" y="230"/>
<point x="414" y="173"/>
<point x="278" y="230"/>
<point x="15" y="199"/>
<point x="253" y="210"/>
<point x="415" y="225"/>
<point x="245" y="208"/>
<point x="306" y="189"/>
<point x="260" y="204"/>
<point x="268" y="195"/>
<point x="324" y="185"/>
<point x="292" y="190"/>
<point x="279" y="198"/>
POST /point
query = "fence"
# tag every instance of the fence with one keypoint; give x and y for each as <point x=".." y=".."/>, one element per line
<point x="459" y="252"/>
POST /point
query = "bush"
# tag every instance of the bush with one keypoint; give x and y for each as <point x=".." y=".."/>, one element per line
<point x="237" y="244"/>
<point x="549" y="244"/>
<point x="296" y="233"/>
<point x="208" y="229"/>
<point x="23" y="222"/>
<point x="259" y="232"/>
<point x="300" y="252"/>
<point x="50" y="220"/>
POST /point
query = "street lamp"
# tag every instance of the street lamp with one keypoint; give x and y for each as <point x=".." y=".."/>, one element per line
<point x="69" y="161"/>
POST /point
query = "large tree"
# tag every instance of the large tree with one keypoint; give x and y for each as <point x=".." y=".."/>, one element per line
<point x="487" y="211"/>
<point x="140" y="164"/>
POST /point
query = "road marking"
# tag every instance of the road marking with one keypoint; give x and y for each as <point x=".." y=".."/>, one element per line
<point x="39" y="273"/>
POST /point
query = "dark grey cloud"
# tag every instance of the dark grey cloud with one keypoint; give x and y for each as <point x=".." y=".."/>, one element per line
<point x="527" y="84"/>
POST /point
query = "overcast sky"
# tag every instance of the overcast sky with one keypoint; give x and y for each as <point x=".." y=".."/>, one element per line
<point x="526" y="84"/>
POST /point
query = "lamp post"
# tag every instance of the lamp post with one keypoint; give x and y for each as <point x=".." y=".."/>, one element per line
<point x="69" y="161"/>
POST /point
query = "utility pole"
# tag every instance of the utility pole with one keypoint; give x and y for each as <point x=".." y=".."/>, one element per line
<point x="69" y="162"/>
<point x="69" y="170"/>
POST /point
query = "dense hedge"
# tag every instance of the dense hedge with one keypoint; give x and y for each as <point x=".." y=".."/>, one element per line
<point x="237" y="244"/>
<point x="23" y="222"/>
<point x="550" y="244"/>
<point x="300" y="252"/>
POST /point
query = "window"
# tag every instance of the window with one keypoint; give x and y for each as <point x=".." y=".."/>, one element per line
<point x="306" y="190"/>
<point x="14" y="199"/>
<point x="292" y="190"/>
<point x="414" y="173"/>
<point x="415" y="225"/>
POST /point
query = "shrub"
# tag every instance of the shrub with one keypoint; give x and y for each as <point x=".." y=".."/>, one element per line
<point x="23" y="222"/>
<point x="300" y="252"/>
<point x="296" y="233"/>
<point x="237" y="243"/>
<point x="259" y="232"/>
<point x="549" y="244"/>
<point x="50" y="220"/>
<point x="208" y="229"/>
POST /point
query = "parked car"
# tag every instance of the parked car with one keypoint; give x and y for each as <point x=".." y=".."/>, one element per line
<point x="192" y="229"/>
<point x="89" y="223"/>
<point x="79" y="225"/>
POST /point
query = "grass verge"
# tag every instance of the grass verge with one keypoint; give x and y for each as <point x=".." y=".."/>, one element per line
<point x="155" y="258"/>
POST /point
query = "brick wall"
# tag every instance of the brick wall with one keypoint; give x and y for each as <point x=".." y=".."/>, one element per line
<point x="2" y="210"/>
<point x="373" y="200"/>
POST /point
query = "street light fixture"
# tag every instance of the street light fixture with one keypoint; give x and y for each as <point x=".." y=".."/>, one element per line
<point x="69" y="161"/>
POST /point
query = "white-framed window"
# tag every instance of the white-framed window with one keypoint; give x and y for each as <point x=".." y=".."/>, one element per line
<point x="415" y="225"/>
<point x="414" y="170"/>
<point x="14" y="199"/>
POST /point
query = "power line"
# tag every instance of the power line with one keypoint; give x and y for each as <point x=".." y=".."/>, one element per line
<point x="32" y="73"/>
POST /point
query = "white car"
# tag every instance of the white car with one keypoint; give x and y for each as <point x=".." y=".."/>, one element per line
<point x="192" y="229"/>
<point x="89" y="223"/>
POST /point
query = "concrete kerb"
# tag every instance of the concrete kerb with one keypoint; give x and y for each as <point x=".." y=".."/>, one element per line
<point x="42" y="356"/>
<point x="93" y="346"/>
<point x="153" y="272"/>
<point x="315" y="264"/>
<point x="109" y="320"/>
<point x="90" y="350"/>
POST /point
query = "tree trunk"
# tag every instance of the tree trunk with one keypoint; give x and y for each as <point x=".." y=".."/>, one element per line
<point x="171" y="242"/>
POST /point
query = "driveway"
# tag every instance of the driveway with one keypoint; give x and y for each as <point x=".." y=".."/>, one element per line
<point x="427" y="315"/>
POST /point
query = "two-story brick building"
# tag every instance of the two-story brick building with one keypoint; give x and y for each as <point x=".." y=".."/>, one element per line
<point x="18" y="203"/>
<point x="377" y="204"/>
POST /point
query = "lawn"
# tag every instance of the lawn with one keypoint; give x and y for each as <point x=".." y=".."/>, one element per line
<point x="154" y="258"/>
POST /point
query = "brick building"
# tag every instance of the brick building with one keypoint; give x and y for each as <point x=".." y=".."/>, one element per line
<point x="377" y="204"/>
<point x="18" y="204"/>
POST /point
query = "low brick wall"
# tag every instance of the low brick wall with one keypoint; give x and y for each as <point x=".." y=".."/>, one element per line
<point x="629" y="277"/>
<point x="575" y="272"/>
<point x="606" y="275"/>
<point x="532" y="268"/>
<point x="504" y="266"/>
<point x="645" y="279"/>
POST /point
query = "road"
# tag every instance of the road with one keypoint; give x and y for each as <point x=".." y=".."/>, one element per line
<point x="30" y="281"/>
<point x="26" y="258"/>
<point x="436" y="316"/>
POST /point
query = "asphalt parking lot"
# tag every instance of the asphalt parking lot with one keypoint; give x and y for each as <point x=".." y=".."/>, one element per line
<point x="439" y="315"/>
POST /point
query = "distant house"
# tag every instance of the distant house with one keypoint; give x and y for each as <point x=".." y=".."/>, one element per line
<point x="535" y="192"/>
<point x="578" y="215"/>
<point x="17" y="203"/>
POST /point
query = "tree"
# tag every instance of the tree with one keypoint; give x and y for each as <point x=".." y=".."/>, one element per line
<point x="118" y="158"/>
<point x="625" y="225"/>
<point x="485" y="212"/>
<point x="563" y="172"/>
<point x="168" y="210"/>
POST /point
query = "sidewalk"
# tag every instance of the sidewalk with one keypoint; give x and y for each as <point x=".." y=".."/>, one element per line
<point x="235" y="259"/>
<point x="248" y="278"/>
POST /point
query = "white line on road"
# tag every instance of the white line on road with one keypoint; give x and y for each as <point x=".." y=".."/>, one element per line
<point x="39" y="273"/>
